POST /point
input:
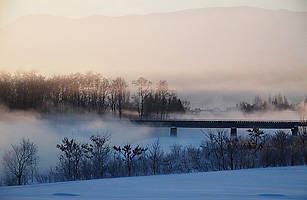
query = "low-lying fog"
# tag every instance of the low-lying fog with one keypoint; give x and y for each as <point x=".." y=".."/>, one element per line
<point x="47" y="132"/>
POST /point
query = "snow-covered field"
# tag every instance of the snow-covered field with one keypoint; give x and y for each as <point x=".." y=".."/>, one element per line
<point x="268" y="183"/>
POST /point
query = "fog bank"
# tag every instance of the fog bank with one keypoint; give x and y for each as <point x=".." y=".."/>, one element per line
<point x="48" y="131"/>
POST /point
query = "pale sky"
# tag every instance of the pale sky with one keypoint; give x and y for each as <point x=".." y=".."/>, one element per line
<point x="247" y="43"/>
<point x="13" y="9"/>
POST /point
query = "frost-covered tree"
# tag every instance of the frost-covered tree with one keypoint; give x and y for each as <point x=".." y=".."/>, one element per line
<point x="255" y="145"/>
<point x="73" y="153"/>
<point x="267" y="151"/>
<point x="20" y="160"/>
<point x="255" y="135"/>
<point x="302" y="142"/>
<point x="280" y="142"/>
<point x="174" y="162"/>
<point x="99" y="154"/>
<point x="232" y="152"/>
<point x="128" y="155"/>
<point x="215" y="146"/>
<point x="155" y="155"/>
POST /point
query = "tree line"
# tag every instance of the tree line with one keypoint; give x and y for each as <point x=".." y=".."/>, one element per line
<point x="98" y="159"/>
<point x="277" y="102"/>
<point x="87" y="92"/>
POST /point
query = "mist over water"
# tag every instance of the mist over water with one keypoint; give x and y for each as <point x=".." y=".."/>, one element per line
<point x="48" y="131"/>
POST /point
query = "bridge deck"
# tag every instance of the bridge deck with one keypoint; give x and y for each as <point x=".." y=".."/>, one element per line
<point x="221" y="124"/>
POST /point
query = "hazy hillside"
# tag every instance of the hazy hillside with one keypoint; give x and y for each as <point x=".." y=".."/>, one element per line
<point x="213" y="49"/>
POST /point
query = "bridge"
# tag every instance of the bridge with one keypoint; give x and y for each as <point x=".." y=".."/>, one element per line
<point x="232" y="124"/>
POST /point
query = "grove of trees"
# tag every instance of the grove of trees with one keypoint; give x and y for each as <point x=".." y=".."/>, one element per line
<point x="277" y="102"/>
<point x="97" y="159"/>
<point x="88" y="92"/>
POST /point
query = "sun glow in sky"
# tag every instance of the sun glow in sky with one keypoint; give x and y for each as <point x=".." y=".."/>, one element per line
<point x="13" y="9"/>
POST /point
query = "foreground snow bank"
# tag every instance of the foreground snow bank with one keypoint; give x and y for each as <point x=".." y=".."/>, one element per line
<point x="269" y="183"/>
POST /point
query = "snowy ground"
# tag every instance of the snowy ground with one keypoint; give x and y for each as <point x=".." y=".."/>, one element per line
<point x="269" y="183"/>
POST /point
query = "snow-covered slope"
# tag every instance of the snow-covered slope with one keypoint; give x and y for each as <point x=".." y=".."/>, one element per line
<point x="269" y="183"/>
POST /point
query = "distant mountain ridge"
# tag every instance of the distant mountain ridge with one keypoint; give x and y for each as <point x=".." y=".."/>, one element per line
<point x="203" y="49"/>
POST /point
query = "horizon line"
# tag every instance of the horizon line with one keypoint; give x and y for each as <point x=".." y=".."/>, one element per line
<point x="144" y="15"/>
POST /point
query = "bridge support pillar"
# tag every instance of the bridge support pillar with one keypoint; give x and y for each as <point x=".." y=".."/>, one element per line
<point x="233" y="132"/>
<point x="294" y="130"/>
<point x="174" y="131"/>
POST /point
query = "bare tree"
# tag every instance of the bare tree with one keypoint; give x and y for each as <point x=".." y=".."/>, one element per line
<point x="162" y="94"/>
<point x="103" y="93"/>
<point x="20" y="160"/>
<point x="144" y="89"/>
<point x="119" y="95"/>
<point x="6" y="88"/>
